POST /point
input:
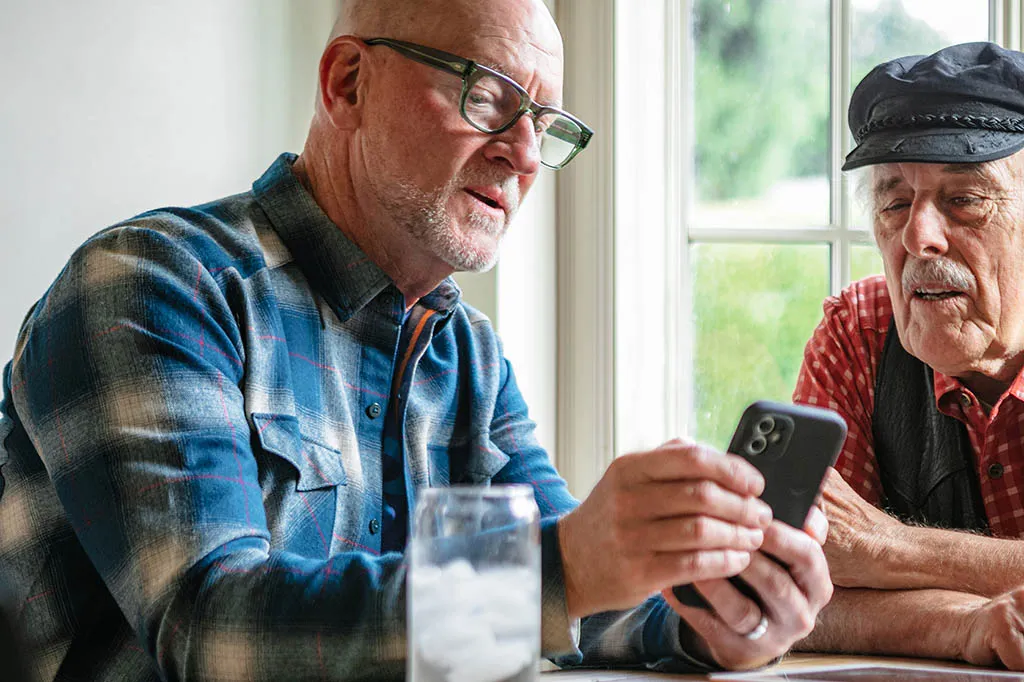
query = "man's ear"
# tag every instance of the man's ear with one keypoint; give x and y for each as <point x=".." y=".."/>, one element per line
<point x="342" y="81"/>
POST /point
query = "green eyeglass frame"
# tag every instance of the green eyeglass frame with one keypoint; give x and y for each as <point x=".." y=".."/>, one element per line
<point x="567" y="130"/>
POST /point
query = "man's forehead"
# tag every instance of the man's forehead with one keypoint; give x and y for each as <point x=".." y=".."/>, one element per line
<point x="891" y="175"/>
<point x="524" y="63"/>
<point x="524" y="44"/>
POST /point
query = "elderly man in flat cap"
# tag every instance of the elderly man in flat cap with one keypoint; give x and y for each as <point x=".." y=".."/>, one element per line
<point x="926" y="363"/>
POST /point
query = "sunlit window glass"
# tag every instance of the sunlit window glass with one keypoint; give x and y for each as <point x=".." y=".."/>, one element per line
<point x="761" y="103"/>
<point x="755" y="306"/>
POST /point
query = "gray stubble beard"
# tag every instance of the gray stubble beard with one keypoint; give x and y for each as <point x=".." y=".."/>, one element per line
<point x="424" y="216"/>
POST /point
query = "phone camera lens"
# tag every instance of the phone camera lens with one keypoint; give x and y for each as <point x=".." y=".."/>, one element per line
<point x="756" y="445"/>
<point x="765" y="426"/>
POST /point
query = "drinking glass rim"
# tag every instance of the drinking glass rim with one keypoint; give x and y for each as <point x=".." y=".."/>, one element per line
<point x="501" y="491"/>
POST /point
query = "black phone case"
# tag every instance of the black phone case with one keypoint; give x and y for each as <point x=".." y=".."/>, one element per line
<point x="792" y="446"/>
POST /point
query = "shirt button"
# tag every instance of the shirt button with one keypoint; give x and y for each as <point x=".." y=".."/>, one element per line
<point x="373" y="410"/>
<point x="374" y="526"/>
<point x="995" y="470"/>
<point x="965" y="400"/>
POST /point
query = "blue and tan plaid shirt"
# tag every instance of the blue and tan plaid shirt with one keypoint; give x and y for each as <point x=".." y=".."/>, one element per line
<point x="213" y="426"/>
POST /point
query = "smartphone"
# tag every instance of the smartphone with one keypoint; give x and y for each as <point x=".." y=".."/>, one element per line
<point x="792" y="446"/>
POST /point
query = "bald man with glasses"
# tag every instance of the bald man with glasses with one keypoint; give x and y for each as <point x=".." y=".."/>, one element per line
<point x="217" y="419"/>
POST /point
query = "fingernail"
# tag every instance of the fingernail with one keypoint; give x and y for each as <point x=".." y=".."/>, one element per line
<point x="754" y="537"/>
<point x="764" y="515"/>
<point x="737" y="558"/>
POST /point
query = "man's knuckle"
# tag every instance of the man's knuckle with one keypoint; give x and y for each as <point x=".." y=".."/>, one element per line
<point x="750" y="616"/>
<point x="615" y="469"/>
<point x="805" y="622"/>
<point x="703" y="493"/>
<point x="701" y="528"/>
<point x="695" y="457"/>
<point x="779" y="583"/>
<point x="827" y="590"/>
<point x="697" y="562"/>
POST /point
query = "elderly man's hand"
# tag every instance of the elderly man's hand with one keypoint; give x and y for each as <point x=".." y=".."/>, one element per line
<point x="993" y="634"/>
<point x="792" y="584"/>
<point x="673" y="515"/>
<point x="859" y="536"/>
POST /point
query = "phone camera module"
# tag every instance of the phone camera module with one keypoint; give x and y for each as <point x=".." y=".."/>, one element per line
<point x="756" y="445"/>
<point x="765" y="426"/>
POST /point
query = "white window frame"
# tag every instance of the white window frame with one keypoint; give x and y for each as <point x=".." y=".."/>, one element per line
<point x="600" y="415"/>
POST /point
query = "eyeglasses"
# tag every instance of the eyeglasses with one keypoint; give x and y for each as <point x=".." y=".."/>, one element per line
<point x="492" y="102"/>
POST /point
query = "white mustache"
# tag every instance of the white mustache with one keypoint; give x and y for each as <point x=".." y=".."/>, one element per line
<point x="942" y="271"/>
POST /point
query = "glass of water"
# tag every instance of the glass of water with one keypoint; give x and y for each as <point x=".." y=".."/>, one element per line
<point x="474" y="585"/>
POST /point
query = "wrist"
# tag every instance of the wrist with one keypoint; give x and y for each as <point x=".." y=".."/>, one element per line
<point x="962" y="617"/>
<point x="573" y="593"/>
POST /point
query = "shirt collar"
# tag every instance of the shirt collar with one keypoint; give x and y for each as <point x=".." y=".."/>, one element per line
<point x="951" y="386"/>
<point x="332" y="263"/>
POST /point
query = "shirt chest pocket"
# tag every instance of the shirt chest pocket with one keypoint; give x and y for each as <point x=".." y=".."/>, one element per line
<point x="317" y="465"/>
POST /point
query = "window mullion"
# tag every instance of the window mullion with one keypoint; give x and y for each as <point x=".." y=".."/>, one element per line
<point x="839" y="89"/>
<point x="1006" y="23"/>
<point x="679" y="169"/>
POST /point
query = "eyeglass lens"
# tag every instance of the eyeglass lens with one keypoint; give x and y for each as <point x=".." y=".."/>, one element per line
<point x="492" y="102"/>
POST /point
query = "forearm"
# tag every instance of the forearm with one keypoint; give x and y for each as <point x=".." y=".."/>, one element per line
<point x="923" y="558"/>
<point x="924" y="623"/>
<point x="243" y="613"/>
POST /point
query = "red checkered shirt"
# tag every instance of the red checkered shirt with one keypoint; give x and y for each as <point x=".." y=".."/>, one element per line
<point x="839" y="370"/>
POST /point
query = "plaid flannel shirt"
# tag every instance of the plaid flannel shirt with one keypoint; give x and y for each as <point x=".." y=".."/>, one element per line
<point x="191" y="443"/>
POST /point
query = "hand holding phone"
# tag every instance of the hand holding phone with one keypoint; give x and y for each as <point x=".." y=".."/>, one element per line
<point x="792" y="446"/>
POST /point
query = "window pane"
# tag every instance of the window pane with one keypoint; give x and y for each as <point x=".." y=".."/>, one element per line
<point x="762" y="109"/>
<point x="886" y="29"/>
<point x="755" y="306"/>
<point x="865" y="260"/>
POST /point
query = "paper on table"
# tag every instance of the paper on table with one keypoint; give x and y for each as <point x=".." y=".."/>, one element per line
<point x="876" y="672"/>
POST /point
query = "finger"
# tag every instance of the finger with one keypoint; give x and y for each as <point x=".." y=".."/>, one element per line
<point x="802" y="560"/>
<point x="817" y="525"/>
<point x="1009" y="647"/>
<point x="729" y="649"/>
<point x="681" y="498"/>
<point x="689" y="462"/>
<point x="680" y="568"/>
<point x="704" y="621"/>
<point x="783" y="601"/>
<point x="835" y="486"/>
<point x="694" y="533"/>
<point x="737" y="611"/>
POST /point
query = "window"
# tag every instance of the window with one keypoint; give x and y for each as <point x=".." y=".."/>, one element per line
<point x="708" y="219"/>
<point x="774" y="226"/>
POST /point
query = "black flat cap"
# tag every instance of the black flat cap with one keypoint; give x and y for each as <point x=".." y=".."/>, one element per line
<point x="963" y="104"/>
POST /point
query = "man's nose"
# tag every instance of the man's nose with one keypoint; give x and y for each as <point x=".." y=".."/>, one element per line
<point x="519" y="147"/>
<point x="924" y="235"/>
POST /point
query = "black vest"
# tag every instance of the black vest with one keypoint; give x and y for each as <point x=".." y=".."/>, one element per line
<point x="925" y="459"/>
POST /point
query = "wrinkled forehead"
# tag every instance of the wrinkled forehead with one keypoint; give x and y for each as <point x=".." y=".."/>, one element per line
<point x="888" y="176"/>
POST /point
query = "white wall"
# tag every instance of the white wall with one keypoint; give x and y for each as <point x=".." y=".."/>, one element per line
<point x="112" y="107"/>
